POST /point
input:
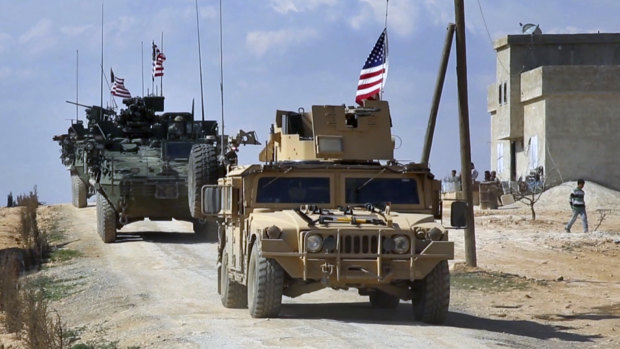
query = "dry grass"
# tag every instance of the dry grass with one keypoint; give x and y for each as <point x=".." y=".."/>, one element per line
<point x="26" y="309"/>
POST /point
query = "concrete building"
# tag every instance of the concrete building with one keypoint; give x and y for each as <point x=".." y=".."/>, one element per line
<point x="556" y="104"/>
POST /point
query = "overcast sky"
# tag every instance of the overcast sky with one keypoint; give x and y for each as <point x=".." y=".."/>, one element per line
<point x="278" y="54"/>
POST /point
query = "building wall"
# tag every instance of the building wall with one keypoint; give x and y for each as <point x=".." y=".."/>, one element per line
<point x="574" y="111"/>
<point x="563" y="99"/>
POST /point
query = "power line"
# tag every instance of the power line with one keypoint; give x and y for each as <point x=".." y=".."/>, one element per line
<point x="486" y="27"/>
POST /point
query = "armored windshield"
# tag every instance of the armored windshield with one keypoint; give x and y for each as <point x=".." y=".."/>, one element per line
<point x="178" y="150"/>
<point x="301" y="190"/>
<point x="369" y="190"/>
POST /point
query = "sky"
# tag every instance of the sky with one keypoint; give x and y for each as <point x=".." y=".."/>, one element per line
<point x="277" y="54"/>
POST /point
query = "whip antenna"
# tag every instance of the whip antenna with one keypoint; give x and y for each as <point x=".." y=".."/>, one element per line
<point x="101" y="89"/>
<point x="77" y="74"/>
<point x="222" y="78"/>
<point x="202" y="101"/>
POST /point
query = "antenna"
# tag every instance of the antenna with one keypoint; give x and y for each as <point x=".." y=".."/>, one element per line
<point x="101" y="89"/>
<point x="222" y="79"/>
<point x="142" y="61"/>
<point x="529" y="28"/>
<point x="77" y="63"/>
<point x="202" y="102"/>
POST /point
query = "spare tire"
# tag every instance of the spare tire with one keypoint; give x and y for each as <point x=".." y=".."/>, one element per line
<point x="202" y="169"/>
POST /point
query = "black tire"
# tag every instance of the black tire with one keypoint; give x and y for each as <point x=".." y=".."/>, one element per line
<point x="380" y="299"/>
<point x="206" y="231"/>
<point x="431" y="296"/>
<point x="202" y="168"/>
<point x="78" y="192"/>
<point x="106" y="220"/>
<point x="232" y="294"/>
<point x="265" y="285"/>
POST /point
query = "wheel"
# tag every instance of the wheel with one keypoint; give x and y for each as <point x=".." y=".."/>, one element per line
<point x="202" y="169"/>
<point x="380" y="299"/>
<point x="106" y="219"/>
<point x="207" y="231"/>
<point x="232" y="294"/>
<point x="78" y="191"/>
<point x="265" y="285"/>
<point x="431" y="296"/>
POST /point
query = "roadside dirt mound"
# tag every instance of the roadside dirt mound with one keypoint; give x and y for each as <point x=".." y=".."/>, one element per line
<point x="597" y="197"/>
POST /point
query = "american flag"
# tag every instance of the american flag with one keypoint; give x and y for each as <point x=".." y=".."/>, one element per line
<point x="374" y="72"/>
<point x="118" y="86"/>
<point x="158" y="62"/>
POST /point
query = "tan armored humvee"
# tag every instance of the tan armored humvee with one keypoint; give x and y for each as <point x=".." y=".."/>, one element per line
<point x="322" y="210"/>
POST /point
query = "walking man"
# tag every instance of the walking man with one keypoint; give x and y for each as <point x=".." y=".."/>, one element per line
<point x="578" y="205"/>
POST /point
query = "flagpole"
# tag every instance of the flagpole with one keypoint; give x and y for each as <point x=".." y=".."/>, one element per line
<point x="385" y="45"/>
<point x="161" y="78"/>
<point x="153" y="69"/>
<point x="387" y="2"/>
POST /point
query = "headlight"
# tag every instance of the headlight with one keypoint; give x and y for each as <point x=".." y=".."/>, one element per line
<point x="435" y="234"/>
<point x="314" y="243"/>
<point x="401" y="244"/>
<point x="273" y="232"/>
<point x="329" y="243"/>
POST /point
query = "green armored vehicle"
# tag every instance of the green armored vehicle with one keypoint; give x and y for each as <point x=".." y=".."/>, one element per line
<point x="142" y="170"/>
<point x="329" y="207"/>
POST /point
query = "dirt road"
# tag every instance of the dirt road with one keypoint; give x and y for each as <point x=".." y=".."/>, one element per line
<point x="157" y="289"/>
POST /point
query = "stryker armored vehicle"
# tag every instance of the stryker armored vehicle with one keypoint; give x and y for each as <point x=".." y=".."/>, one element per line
<point x="330" y="207"/>
<point x="137" y="163"/>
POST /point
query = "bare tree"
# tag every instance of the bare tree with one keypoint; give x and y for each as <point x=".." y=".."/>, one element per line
<point x="530" y="190"/>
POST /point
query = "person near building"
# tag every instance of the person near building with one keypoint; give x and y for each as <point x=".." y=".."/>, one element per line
<point x="474" y="173"/>
<point x="578" y="206"/>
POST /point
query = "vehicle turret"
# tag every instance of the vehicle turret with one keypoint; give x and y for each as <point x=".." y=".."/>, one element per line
<point x="333" y="133"/>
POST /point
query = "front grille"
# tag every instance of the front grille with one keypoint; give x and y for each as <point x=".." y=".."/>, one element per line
<point x="359" y="244"/>
<point x="354" y="242"/>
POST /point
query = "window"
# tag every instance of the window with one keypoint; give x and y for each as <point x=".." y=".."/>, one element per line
<point x="381" y="190"/>
<point x="288" y="190"/>
<point x="499" y="94"/>
<point x="505" y="92"/>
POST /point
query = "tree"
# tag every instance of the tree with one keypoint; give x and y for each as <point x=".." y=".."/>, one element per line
<point x="530" y="190"/>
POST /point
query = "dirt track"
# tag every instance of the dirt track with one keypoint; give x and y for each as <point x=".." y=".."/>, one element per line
<point x="157" y="289"/>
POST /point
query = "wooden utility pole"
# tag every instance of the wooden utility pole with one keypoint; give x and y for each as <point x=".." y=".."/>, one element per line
<point x="461" y="73"/>
<point x="441" y="76"/>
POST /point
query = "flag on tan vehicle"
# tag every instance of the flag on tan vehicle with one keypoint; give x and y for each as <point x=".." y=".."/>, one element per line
<point x="374" y="72"/>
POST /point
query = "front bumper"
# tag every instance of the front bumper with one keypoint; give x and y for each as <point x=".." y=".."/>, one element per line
<point x="358" y="263"/>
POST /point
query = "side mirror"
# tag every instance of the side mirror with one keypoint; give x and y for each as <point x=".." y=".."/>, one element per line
<point x="458" y="214"/>
<point x="211" y="199"/>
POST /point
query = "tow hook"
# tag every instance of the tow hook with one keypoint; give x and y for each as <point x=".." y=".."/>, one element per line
<point x="327" y="270"/>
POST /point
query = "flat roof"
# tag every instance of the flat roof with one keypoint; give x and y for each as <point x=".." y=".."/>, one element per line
<point x="549" y="39"/>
